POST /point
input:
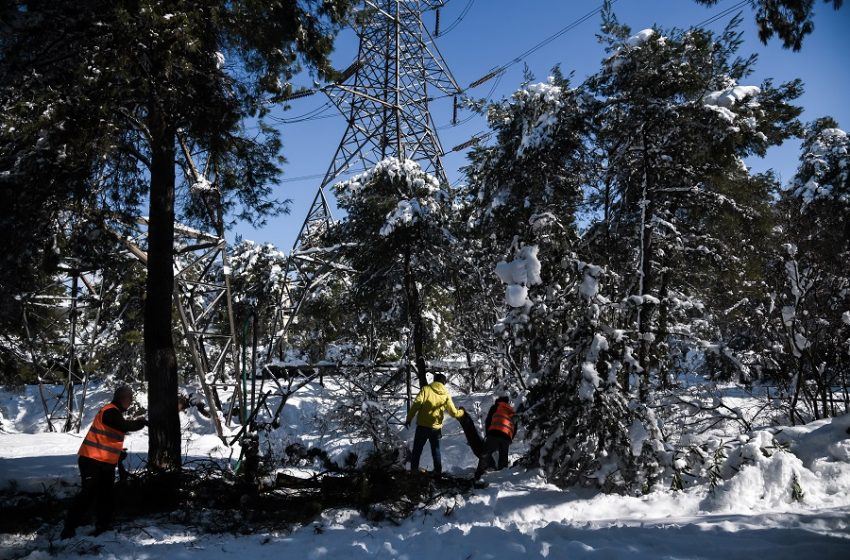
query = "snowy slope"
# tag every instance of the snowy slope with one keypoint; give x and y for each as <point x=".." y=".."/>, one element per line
<point x="518" y="515"/>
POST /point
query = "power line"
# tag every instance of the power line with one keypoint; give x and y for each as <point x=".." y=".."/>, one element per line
<point x="563" y="31"/>
<point x="722" y="14"/>
<point x="498" y="71"/>
<point x="301" y="178"/>
<point x="525" y="54"/>
<point x="459" y="19"/>
<point x="314" y="114"/>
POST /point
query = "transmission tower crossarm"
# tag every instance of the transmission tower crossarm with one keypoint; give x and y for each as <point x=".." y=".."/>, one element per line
<point x="364" y="95"/>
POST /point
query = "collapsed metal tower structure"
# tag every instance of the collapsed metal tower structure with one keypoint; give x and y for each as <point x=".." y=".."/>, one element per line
<point x="385" y="96"/>
<point x="68" y="311"/>
<point x="203" y="303"/>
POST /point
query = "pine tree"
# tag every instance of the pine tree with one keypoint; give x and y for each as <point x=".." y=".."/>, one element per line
<point x="257" y="283"/>
<point x="581" y="428"/>
<point x="396" y="240"/>
<point x="810" y="278"/>
<point x="94" y="96"/>
<point x="522" y="194"/>
<point x="672" y="127"/>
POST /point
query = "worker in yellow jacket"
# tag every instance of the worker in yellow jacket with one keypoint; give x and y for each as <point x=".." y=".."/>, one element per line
<point x="429" y="406"/>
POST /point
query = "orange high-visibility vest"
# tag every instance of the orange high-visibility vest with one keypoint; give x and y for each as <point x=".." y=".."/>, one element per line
<point x="503" y="419"/>
<point x="103" y="443"/>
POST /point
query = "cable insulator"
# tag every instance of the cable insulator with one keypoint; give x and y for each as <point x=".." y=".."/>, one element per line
<point x="454" y="111"/>
<point x="471" y="142"/>
<point x="296" y="95"/>
<point x="348" y="72"/>
<point x="485" y="78"/>
<point x="437" y="24"/>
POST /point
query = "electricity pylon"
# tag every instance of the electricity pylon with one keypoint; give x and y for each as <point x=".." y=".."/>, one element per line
<point x="385" y="96"/>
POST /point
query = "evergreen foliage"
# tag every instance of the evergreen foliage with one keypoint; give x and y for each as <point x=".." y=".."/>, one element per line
<point x="811" y="321"/>
<point x="790" y="20"/>
<point x="679" y="207"/>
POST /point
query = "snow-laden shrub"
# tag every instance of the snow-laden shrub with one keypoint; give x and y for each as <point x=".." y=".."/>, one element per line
<point x="367" y="416"/>
<point x="595" y="437"/>
<point x="763" y="469"/>
<point x="581" y="427"/>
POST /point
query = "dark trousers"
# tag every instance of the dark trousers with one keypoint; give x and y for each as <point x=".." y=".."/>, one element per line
<point x="98" y="489"/>
<point x="433" y="436"/>
<point x="495" y="442"/>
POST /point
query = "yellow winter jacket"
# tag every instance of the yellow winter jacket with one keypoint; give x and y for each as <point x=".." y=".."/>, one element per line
<point x="430" y="403"/>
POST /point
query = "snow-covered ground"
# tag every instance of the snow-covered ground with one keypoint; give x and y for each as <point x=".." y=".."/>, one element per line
<point x="518" y="515"/>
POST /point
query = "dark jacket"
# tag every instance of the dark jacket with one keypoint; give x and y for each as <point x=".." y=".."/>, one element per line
<point x="115" y="420"/>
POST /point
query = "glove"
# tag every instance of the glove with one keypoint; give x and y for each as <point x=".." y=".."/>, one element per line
<point x="141" y="419"/>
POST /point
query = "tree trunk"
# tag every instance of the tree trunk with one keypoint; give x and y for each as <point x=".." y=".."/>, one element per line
<point x="645" y="309"/>
<point x="160" y="357"/>
<point x="661" y="341"/>
<point x="414" y="315"/>
<point x="647" y="209"/>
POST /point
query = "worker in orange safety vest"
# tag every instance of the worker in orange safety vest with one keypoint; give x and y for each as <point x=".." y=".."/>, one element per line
<point x="500" y="429"/>
<point x="100" y="452"/>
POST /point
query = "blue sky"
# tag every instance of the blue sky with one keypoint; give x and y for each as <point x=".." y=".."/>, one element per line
<point x="494" y="32"/>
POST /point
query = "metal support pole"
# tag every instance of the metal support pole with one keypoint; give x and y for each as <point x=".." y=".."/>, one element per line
<point x="72" y="351"/>
<point x="253" y="358"/>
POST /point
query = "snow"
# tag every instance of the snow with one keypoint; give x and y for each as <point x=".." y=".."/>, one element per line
<point x="546" y="91"/>
<point x="638" y="434"/>
<point x="590" y="381"/>
<point x="407" y="212"/>
<point x="590" y="282"/>
<point x="202" y="185"/>
<point x="420" y="196"/>
<point x="516" y="295"/>
<point x="640" y="38"/>
<point x="518" y="515"/>
<point x="525" y="269"/>
<point x="542" y="220"/>
<point x="396" y="169"/>
<point x="722" y="101"/>
<point x="729" y="97"/>
<point x="518" y="274"/>
<point x="545" y="97"/>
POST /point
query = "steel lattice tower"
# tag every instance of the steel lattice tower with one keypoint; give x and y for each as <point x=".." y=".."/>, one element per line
<point x="385" y="96"/>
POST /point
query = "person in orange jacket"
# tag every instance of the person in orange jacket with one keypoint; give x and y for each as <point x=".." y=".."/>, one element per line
<point x="99" y="454"/>
<point x="500" y="429"/>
